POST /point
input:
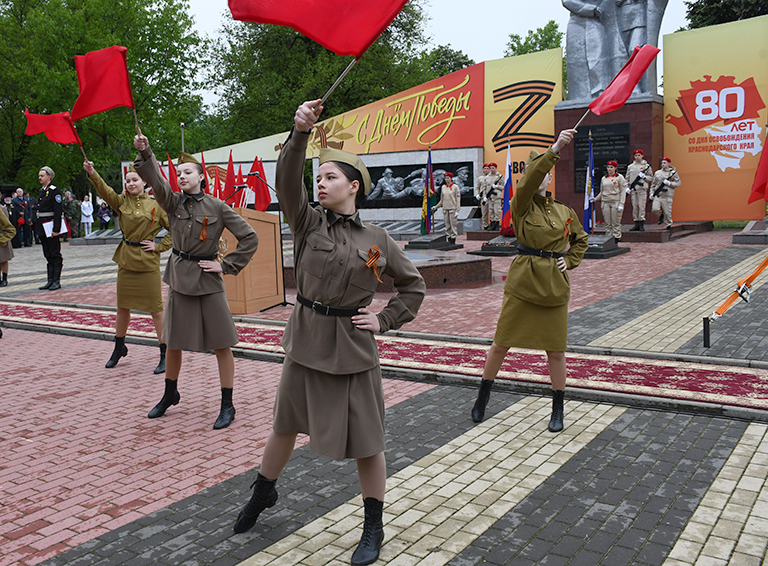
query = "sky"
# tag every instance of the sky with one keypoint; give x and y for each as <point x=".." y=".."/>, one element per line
<point x="479" y="28"/>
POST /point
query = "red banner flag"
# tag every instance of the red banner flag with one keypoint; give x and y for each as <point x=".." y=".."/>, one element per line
<point x="103" y="82"/>
<point x="173" y="178"/>
<point x="622" y="85"/>
<point x="56" y="127"/>
<point x="229" y="180"/>
<point x="258" y="185"/>
<point x="760" y="186"/>
<point x="346" y="27"/>
<point x="217" y="185"/>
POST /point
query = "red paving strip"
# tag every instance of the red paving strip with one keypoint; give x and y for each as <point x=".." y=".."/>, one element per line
<point x="78" y="456"/>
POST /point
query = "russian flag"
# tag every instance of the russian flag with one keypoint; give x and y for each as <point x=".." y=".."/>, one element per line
<point x="589" y="190"/>
<point x="506" y="213"/>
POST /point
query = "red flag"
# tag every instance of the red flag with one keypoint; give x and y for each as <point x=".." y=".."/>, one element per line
<point x="173" y="179"/>
<point x="346" y="27"/>
<point x="258" y="186"/>
<point x="617" y="93"/>
<point x="238" y="198"/>
<point x="760" y="186"/>
<point x="207" y="189"/>
<point x="217" y="185"/>
<point x="229" y="180"/>
<point x="56" y="127"/>
<point x="103" y="82"/>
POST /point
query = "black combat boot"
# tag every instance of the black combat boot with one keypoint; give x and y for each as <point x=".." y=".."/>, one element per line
<point x="478" y="411"/>
<point x="264" y="495"/>
<point x="641" y="226"/>
<point x="636" y="227"/>
<point x="367" y="551"/>
<point x="50" y="278"/>
<point x="227" y="413"/>
<point x="56" y="285"/>
<point x="556" y="423"/>
<point x="161" y="365"/>
<point x="170" y="397"/>
<point x="3" y="279"/>
<point x="120" y="351"/>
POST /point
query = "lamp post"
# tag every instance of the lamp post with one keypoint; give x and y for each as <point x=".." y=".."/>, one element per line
<point x="182" y="136"/>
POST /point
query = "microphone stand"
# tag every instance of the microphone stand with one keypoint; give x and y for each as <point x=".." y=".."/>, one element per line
<point x="284" y="303"/>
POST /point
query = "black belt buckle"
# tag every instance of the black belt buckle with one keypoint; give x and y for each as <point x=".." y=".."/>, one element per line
<point x="317" y="305"/>
<point x="548" y="253"/>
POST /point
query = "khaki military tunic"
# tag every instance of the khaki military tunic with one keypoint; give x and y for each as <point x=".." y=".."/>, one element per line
<point x="7" y="233"/>
<point x="534" y="312"/>
<point x="450" y="202"/>
<point x="141" y="218"/>
<point x="613" y="194"/>
<point x="331" y="379"/>
<point x="197" y="315"/>
<point x="663" y="202"/>
<point x="482" y="189"/>
<point x="638" y="192"/>
<point x="496" y="197"/>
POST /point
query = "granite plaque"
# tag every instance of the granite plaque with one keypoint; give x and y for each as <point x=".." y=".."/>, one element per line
<point x="609" y="142"/>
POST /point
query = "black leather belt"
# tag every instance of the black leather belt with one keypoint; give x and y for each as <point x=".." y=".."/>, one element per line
<point x="45" y="214"/>
<point x="522" y="249"/>
<point x="191" y="257"/>
<point x="320" y="308"/>
<point x="130" y="243"/>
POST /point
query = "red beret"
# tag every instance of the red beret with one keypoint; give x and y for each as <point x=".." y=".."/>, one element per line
<point x="667" y="159"/>
<point x="614" y="163"/>
<point x="485" y="165"/>
<point x="640" y="151"/>
<point x="492" y="165"/>
<point x="448" y="175"/>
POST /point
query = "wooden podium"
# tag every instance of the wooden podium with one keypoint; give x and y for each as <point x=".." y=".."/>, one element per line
<point x="260" y="285"/>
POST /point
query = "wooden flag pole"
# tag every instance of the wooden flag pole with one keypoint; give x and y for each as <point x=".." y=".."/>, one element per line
<point x="333" y="87"/>
<point x="83" y="151"/>
<point x="136" y="121"/>
<point x="582" y="119"/>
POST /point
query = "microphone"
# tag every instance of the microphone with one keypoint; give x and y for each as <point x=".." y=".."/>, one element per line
<point x="263" y="180"/>
<point x="240" y="187"/>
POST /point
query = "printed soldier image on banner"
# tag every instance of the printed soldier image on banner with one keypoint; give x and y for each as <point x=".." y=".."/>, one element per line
<point x="402" y="186"/>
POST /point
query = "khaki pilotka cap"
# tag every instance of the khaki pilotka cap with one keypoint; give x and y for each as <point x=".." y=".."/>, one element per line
<point x="186" y="158"/>
<point x="350" y="159"/>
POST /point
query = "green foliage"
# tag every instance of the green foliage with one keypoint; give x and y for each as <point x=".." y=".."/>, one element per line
<point x="441" y="61"/>
<point x="703" y="13"/>
<point x="38" y="42"/>
<point x="540" y="39"/>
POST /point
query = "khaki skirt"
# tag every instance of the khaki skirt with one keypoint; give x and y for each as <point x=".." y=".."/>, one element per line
<point x="525" y="325"/>
<point x="6" y="251"/>
<point x="198" y="322"/>
<point x="139" y="290"/>
<point x="342" y="414"/>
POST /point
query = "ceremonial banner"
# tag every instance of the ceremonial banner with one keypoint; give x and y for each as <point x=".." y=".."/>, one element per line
<point x="620" y="88"/>
<point x="56" y="127"/>
<point x="715" y="95"/>
<point x="103" y="82"/>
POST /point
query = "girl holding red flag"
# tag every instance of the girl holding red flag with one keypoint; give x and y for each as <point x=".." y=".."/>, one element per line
<point x="197" y="315"/>
<point x="138" y="277"/>
<point x="534" y="313"/>
<point x="330" y="387"/>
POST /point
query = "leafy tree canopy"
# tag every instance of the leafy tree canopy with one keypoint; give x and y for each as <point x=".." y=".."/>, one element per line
<point x="540" y="39"/>
<point x="441" y="61"/>
<point x="703" y="13"/>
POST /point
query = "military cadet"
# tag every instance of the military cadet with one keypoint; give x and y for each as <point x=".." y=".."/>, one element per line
<point x="481" y="195"/>
<point x="637" y="173"/>
<point x="534" y="313"/>
<point x="663" y="186"/>
<point x="197" y="315"/>
<point x="613" y="188"/>
<point x="495" y="196"/>
<point x="138" y="277"/>
<point x="50" y="209"/>
<point x="7" y="232"/>
<point x="72" y="214"/>
<point x="450" y="202"/>
<point x="330" y="387"/>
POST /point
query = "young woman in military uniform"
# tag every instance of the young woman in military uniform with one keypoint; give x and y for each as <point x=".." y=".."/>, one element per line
<point x="197" y="315"/>
<point x="7" y="232"/>
<point x="138" y="277"/>
<point x="613" y="195"/>
<point x="534" y="313"/>
<point x="331" y="386"/>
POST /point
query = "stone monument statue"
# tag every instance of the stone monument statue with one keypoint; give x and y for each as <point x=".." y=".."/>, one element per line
<point x="600" y="37"/>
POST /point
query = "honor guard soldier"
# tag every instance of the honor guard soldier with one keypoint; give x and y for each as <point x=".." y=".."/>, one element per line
<point x="495" y="196"/>
<point x="612" y="195"/>
<point x="50" y="209"/>
<point x="638" y="173"/>
<point x="481" y="194"/>
<point x="450" y="202"/>
<point x="663" y="186"/>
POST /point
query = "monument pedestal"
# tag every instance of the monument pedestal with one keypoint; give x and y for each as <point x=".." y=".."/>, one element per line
<point x="603" y="247"/>
<point x="498" y="246"/>
<point x="432" y="242"/>
<point x="637" y="125"/>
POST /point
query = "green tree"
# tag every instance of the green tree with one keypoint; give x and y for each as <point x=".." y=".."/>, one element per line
<point x="38" y="42"/>
<point x="703" y="13"/>
<point x="441" y="61"/>
<point x="540" y="39"/>
<point x="263" y="72"/>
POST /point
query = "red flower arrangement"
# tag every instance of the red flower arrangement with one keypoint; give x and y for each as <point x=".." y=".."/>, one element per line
<point x="509" y="231"/>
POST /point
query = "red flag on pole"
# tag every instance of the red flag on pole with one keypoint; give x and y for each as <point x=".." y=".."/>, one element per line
<point x="103" y="82"/>
<point x="346" y="27"/>
<point x="622" y="85"/>
<point x="760" y="186"/>
<point x="229" y="180"/>
<point x="239" y="199"/>
<point x="56" y="127"/>
<point x="173" y="179"/>
<point x="207" y="189"/>
<point x="256" y="183"/>
<point x="217" y="185"/>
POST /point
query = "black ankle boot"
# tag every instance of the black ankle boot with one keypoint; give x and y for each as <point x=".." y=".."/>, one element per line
<point x="264" y="495"/>
<point x="3" y="279"/>
<point x="120" y="351"/>
<point x="170" y="397"/>
<point x="478" y="411"/>
<point x="641" y="226"/>
<point x="50" y="279"/>
<point x="161" y="365"/>
<point x="227" y="413"/>
<point x="556" y="423"/>
<point x="635" y="228"/>
<point x="367" y="551"/>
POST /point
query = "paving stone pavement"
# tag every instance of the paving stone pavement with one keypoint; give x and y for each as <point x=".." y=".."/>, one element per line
<point x="621" y="485"/>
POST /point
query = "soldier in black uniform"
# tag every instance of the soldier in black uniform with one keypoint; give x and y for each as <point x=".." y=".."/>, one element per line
<point x="50" y="208"/>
